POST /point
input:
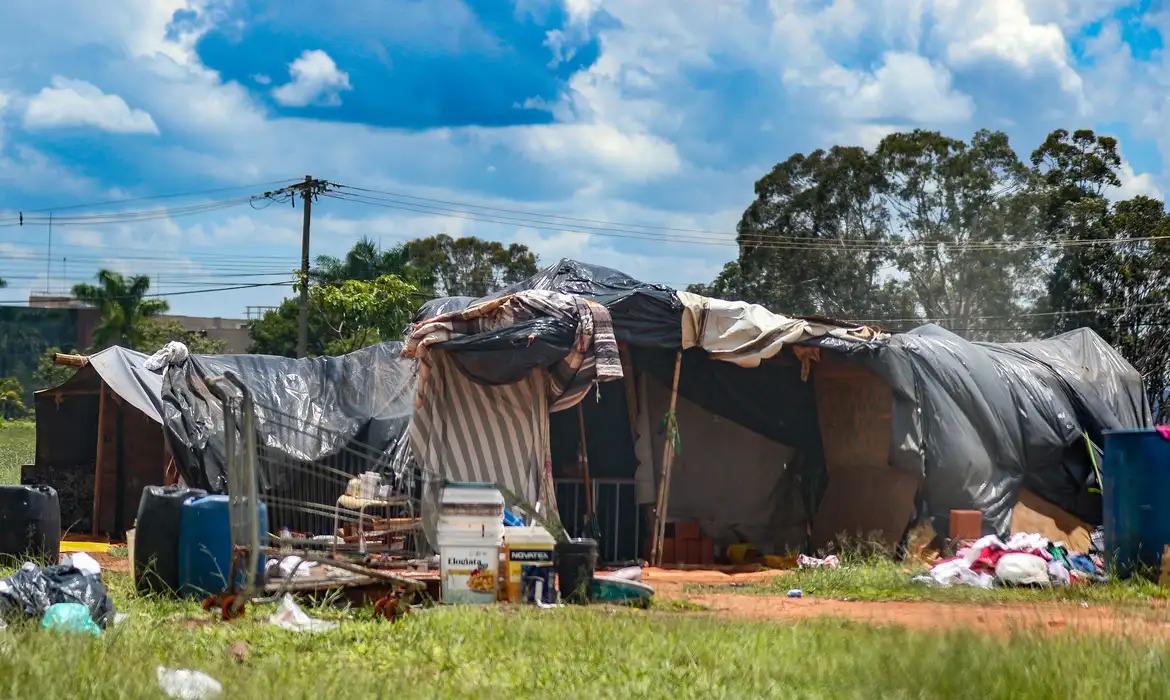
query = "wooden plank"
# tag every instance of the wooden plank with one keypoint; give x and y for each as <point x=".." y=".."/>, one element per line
<point x="99" y="459"/>
<point x="667" y="466"/>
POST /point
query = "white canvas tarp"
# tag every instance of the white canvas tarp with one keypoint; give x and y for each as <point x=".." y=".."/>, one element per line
<point x="747" y="334"/>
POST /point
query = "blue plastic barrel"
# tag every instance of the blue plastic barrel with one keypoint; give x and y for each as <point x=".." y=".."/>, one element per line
<point x="205" y="545"/>
<point x="1135" y="499"/>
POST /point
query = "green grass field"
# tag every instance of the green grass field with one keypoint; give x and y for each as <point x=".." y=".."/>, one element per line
<point x="17" y="445"/>
<point x="567" y="653"/>
<point x="671" y="651"/>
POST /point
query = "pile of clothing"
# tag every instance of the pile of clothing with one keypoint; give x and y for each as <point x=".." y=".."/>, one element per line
<point x="1024" y="560"/>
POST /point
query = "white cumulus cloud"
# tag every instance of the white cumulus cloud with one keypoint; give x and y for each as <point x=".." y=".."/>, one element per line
<point x="69" y="103"/>
<point x="315" y="80"/>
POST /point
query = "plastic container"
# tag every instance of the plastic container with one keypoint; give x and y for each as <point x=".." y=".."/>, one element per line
<point x="576" y="560"/>
<point x="205" y="545"/>
<point x="30" y="523"/>
<point x="470" y="524"/>
<point x="528" y="556"/>
<point x="1135" y="499"/>
<point x="468" y="568"/>
<point x="370" y="482"/>
<point x="472" y="499"/>
<point x="155" y="559"/>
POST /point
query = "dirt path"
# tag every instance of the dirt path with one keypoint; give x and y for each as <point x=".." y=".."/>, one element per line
<point x="1150" y="621"/>
<point x="995" y="619"/>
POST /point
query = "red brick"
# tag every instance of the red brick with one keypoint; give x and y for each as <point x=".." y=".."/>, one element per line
<point x="668" y="554"/>
<point x="687" y="530"/>
<point x="694" y="551"/>
<point x="707" y="556"/>
<point x="966" y="525"/>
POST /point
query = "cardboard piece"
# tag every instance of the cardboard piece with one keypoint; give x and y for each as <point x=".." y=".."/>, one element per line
<point x="1034" y="514"/>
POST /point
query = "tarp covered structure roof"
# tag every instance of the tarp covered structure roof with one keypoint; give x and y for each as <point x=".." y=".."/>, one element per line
<point x="976" y="421"/>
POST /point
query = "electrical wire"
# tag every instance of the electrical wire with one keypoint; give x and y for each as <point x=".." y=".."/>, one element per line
<point x="23" y="302"/>
<point x="557" y="224"/>
<point x="173" y="195"/>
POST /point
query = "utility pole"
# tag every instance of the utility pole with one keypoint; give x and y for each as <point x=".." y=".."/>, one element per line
<point x="303" y="323"/>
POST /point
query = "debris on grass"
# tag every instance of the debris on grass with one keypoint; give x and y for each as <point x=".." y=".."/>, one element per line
<point x="184" y="684"/>
<point x="290" y="617"/>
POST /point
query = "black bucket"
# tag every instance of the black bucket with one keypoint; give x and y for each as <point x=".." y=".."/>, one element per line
<point x="576" y="561"/>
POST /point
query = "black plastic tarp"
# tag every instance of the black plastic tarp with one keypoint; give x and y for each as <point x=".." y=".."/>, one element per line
<point x="308" y="409"/>
<point x="977" y="420"/>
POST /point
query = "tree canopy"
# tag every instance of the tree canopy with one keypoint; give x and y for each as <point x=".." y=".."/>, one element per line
<point x="928" y="228"/>
<point x="124" y="308"/>
<point x="371" y="293"/>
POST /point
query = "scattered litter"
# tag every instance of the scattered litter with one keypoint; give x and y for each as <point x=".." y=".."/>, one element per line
<point x="958" y="571"/>
<point x="32" y="590"/>
<point x="292" y="566"/>
<point x="239" y="651"/>
<point x="795" y="593"/>
<point x="630" y="573"/>
<point x="806" y="562"/>
<point x="1032" y="560"/>
<point x="1059" y="574"/>
<point x="1020" y="569"/>
<point x="119" y="618"/>
<point x="183" y="684"/>
<point x="289" y="616"/>
<point x="83" y="562"/>
<point x="70" y="617"/>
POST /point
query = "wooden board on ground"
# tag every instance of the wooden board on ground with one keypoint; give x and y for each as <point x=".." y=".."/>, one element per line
<point x="1034" y="514"/>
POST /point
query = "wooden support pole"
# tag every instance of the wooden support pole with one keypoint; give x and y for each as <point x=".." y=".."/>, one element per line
<point x="98" y="461"/>
<point x="630" y="381"/>
<point x="585" y="465"/>
<point x="666" y="468"/>
<point x="66" y="360"/>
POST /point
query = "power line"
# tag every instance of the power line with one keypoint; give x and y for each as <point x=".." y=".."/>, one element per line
<point x="24" y="302"/>
<point x="557" y="224"/>
<point x="173" y="195"/>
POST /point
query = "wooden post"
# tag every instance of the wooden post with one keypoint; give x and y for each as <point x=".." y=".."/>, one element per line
<point x="664" y="476"/>
<point x="585" y="463"/>
<point x="629" y="380"/>
<point x="97" y="461"/>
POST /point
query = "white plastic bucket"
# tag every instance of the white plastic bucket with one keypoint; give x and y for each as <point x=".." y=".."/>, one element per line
<point x="474" y="500"/>
<point x="469" y="568"/>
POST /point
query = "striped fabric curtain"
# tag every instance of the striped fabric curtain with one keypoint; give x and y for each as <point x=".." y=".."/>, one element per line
<point x="464" y="431"/>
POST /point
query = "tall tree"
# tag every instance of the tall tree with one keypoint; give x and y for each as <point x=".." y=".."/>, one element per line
<point x="965" y="222"/>
<point x="470" y="266"/>
<point x="815" y="240"/>
<point x="123" y="305"/>
<point x="342" y="317"/>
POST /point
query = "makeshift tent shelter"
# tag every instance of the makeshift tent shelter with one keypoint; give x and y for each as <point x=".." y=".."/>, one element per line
<point x="152" y="419"/>
<point x="789" y="430"/>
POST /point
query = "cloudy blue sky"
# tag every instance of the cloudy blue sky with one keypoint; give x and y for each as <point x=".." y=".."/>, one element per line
<point x="637" y="112"/>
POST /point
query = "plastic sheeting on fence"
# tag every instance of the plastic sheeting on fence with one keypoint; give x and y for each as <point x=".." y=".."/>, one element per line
<point x="309" y="409"/>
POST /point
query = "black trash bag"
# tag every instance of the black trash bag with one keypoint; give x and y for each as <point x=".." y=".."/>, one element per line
<point x="28" y="593"/>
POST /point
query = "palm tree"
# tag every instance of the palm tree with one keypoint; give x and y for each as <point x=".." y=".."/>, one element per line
<point x="366" y="261"/>
<point x="11" y="399"/>
<point x="123" y="305"/>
